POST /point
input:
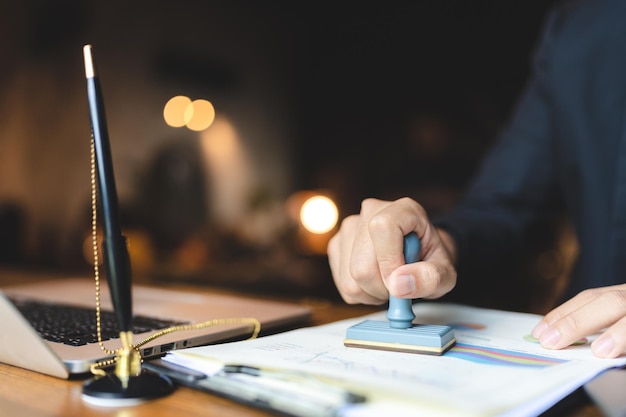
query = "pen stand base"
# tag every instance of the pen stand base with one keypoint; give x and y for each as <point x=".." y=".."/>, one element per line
<point x="108" y="390"/>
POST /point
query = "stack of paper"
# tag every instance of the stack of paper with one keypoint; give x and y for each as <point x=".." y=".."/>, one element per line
<point x="495" y="369"/>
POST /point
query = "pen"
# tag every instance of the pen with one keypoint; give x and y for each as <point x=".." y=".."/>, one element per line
<point x="117" y="262"/>
<point x="288" y="392"/>
<point x="129" y="382"/>
<point x="295" y="381"/>
<point x="303" y="398"/>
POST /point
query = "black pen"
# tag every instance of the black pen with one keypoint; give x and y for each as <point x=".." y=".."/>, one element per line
<point x="116" y="258"/>
<point x="129" y="383"/>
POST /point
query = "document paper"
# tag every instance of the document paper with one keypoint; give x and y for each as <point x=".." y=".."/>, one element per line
<point x="495" y="368"/>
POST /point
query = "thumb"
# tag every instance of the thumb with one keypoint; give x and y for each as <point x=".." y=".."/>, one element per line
<point x="429" y="278"/>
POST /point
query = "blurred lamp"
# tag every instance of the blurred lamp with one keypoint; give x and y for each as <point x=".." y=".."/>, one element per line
<point x="197" y="115"/>
<point x="319" y="214"/>
<point x="200" y="114"/>
<point x="175" y="111"/>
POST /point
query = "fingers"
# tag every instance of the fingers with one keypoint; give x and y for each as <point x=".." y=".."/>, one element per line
<point x="387" y="227"/>
<point x="587" y="313"/>
<point x="366" y="256"/>
<point x="347" y="260"/>
<point x="612" y="343"/>
<point x="434" y="276"/>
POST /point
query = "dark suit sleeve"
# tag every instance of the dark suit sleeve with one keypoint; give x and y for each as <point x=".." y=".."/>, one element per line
<point x="515" y="187"/>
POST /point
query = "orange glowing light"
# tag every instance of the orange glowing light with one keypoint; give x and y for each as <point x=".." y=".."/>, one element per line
<point x="175" y="111"/>
<point x="319" y="214"/>
<point x="200" y="114"/>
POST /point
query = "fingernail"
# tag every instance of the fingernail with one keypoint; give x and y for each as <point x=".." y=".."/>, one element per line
<point x="603" y="346"/>
<point x="540" y="328"/>
<point x="549" y="338"/>
<point x="402" y="285"/>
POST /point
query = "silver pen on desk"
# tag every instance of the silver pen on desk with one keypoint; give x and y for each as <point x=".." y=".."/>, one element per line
<point x="306" y="396"/>
<point x="289" y="392"/>
<point x="297" y="383"/>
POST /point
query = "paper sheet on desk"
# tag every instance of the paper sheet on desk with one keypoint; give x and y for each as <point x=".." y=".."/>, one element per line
<point x="494" y="370"/>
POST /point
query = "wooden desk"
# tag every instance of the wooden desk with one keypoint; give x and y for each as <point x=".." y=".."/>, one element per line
<point x="28" y="394"/>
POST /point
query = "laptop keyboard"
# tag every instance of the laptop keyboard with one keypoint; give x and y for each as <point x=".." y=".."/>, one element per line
<point x="76" y="326"/>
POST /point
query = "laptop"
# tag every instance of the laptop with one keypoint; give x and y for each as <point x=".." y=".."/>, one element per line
<point x="21" y="344"/>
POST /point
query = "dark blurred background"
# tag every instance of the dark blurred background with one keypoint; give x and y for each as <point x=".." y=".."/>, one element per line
<point x="343" y="99"/>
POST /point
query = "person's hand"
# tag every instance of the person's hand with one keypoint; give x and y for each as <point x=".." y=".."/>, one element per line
<point x="589" y="312"/>
<point x="367" y="261"/>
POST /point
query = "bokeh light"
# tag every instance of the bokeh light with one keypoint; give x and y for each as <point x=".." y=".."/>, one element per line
<point x="197" y="115"/>
<point x="201" y="115"/>
<point x="319" y="214"/>
<point x="175" y="111"/>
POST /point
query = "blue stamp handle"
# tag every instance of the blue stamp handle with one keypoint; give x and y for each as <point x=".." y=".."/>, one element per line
<point x="400" y="312"/>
